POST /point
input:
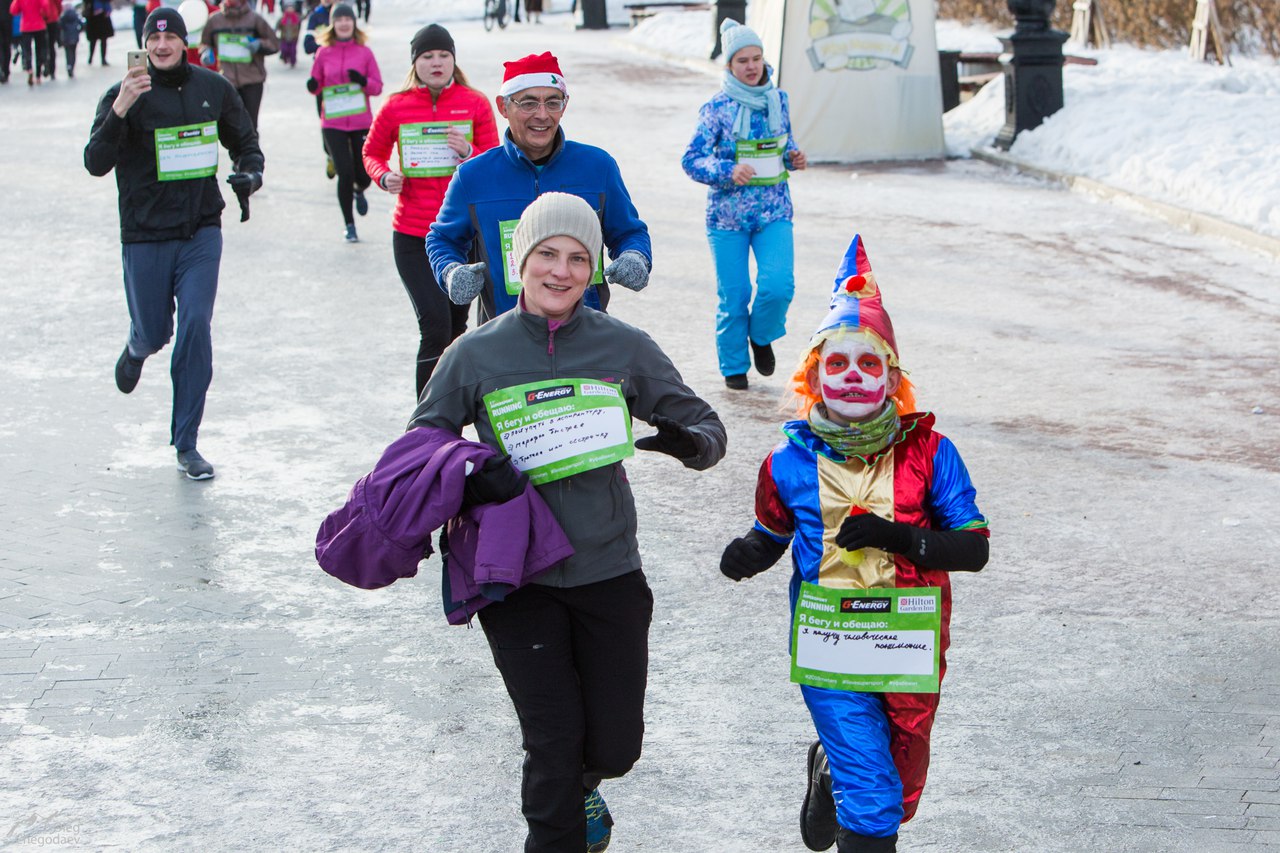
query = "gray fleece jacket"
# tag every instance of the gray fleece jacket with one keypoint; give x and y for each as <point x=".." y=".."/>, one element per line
<point x="596" y="507"/>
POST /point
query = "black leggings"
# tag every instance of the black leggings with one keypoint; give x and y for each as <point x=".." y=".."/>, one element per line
<point x="34" y="45"/>
<point x="439" y="320"/>
<point x="251" y="94"/>
<point x="575" y="661"/>
<point x="102" y="51"/>
<point x="345" y="147"/>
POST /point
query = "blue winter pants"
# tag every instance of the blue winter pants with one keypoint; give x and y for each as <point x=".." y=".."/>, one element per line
<point x="156" y="277"/>
<point x="738" y="317"/>
<point x="854" y="730"/>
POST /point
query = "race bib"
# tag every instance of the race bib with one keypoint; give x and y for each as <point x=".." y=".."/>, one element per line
<point x="345" y="100"/>
<point x="234" y="47"/>
<point x="766" y="157"/>
<point x="867" y="640"/>
<point x="425" y="151"/>
<point x="187" y="152"/>
<point x="559" y="427"/>
<point x="511" y="264"/>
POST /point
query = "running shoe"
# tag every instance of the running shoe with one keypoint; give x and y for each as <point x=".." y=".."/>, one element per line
<point x="191" y="463"/>
<point x="362" y="204"/>
<point x="128" y="371"/>
<point x="330" y="170"/>
<point x="599" y="822"/>
<point x="351" y="235"/>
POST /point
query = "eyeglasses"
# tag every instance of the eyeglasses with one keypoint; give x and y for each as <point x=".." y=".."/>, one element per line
<point x="529" y="106"/>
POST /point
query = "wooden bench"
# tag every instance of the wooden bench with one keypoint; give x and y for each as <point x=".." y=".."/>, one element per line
<point x="640" y="11"/>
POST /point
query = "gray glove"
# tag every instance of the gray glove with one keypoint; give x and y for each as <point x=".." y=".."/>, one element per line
<point x="630" y="270"/>
<point x="463" y="282"/>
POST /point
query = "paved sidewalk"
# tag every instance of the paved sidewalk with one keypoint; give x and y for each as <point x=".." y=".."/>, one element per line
<point x="176" y="672"/>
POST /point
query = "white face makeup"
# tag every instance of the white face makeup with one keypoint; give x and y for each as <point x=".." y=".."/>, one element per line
<point x="855" y="379"/>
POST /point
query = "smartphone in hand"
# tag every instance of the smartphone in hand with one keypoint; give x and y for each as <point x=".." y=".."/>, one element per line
<point x="136" y="59"/>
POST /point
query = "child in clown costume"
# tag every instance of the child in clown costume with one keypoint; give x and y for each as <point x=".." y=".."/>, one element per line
<point x="861" y="471"/>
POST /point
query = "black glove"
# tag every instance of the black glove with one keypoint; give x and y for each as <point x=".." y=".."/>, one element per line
<point x="495" y="482"/>
<point x="244" y="184"/>
<point x="673" y="438"/>
<point x="356" y="77"/>
<point x="869" y="530"/>
<point x="313" y="85"/>
<point x="750" y="555"/>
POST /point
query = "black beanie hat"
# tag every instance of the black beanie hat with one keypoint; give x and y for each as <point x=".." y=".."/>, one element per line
<point x="342" y="10"/>
<point x="430" y="37"/>
<point x="165" y="20"/>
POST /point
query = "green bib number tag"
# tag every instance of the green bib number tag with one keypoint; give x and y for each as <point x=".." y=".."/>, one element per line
<point x="345" y="100"/>
<point x="187" y="152"/>
<point x="766" y="157"/>
<point x="234" y="48"/>
<point x="510" y="269"/>
<point x="425" y="151"/>
<point x="559" y="427"/>
<point x="867" y="640"/>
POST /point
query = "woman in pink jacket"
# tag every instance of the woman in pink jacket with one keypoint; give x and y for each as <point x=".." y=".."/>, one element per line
<point x="34" y="36"/>
<point x="344" y="75"/>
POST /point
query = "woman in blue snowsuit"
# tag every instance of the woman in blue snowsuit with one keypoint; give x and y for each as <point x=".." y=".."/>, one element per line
<point x="742" y="149"/>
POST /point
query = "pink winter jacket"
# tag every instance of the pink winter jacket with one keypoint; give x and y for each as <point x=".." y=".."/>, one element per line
<point x="330" y="69"/>
<point x="33" y="14"/>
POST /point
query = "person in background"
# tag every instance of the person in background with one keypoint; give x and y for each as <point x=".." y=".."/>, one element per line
<point x="288" y="28"/>
<point x="98" y="28"/>
<point x="52" y="37"/>
<point x="489" y="192"/>
<point x="344" y="76"/>
<point x="31" y="26"/>
<point x="318" y="18"/>
<point x="362" y="8"/>
<point x="70" y="24"/>
<point x="240" y="39"/>
<point x="140" y="13"/>
<point x="533" y="10"/>
<point x="6" y="41"/>
<point x="171" y="212"/>
<point x="573" y="645"/>
<point x="435" y="90"/>
<point x="742" y="149"/>
<point x="868" y="496"/>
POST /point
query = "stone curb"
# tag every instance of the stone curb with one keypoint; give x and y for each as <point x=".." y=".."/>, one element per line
<point x="1189" y="219"/>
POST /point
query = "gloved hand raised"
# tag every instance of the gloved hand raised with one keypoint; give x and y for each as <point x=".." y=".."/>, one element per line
<point x="868" y="530"/>
<point x="254" y="44"/>
<point x="750" y="555"/>
<point x="313" y="85"/>
<point x="673" y="438"/>
<point x="495" y="482"/>
<point x="356" y="77"/>
<point x="629" y="270"/>
<point x="463" y="282"/>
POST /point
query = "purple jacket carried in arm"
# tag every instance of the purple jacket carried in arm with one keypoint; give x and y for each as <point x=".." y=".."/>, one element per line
<point x="384" y="529"/>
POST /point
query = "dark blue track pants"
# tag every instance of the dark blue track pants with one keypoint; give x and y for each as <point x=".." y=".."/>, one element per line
<point x="157" y="278"/>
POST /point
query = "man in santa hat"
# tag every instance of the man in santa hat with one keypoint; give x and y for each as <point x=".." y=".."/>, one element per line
<point x="489" y="192"/>
<point x="869" y="498"/>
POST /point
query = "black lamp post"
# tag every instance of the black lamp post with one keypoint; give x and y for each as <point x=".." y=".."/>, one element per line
<point x="1032" y="61"/>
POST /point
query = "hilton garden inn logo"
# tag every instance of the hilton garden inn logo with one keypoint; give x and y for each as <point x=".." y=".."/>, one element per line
<point x="859" y="35"/>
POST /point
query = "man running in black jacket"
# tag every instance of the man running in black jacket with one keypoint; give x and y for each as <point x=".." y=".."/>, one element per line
<point x="160" y="128"/>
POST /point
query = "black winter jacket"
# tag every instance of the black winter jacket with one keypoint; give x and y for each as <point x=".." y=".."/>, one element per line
<point x="151" y="209"/>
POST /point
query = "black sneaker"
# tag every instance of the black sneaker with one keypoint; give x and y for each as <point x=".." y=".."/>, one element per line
<point x="191" y="463"/>
<point x="818" y="812"/>
<point x="351" y="235"/>
<point x="762" y="354"/>
<point x="128" y="370"/>
<point x="738" y="382"/>
<point x="362" y="204"/>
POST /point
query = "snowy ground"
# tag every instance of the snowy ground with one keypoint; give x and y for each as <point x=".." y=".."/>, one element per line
<point x="177" y="674"/>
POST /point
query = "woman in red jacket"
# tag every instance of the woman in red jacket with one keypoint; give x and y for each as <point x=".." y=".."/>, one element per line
<point x="33" y="35"/>
<point x="344" y="76"/>
<point x="437" y="120"/>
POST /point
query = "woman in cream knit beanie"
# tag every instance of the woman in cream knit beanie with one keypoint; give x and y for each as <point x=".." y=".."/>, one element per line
<point x="556" y="215"/>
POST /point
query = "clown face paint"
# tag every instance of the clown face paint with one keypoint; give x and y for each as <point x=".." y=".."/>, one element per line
<point x="854" y="378"/>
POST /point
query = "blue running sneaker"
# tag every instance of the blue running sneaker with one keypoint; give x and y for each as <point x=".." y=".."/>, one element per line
<point x="599" y="822"/>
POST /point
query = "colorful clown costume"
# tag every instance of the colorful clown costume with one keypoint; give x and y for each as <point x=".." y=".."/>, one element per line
<point x="877" y="744"/>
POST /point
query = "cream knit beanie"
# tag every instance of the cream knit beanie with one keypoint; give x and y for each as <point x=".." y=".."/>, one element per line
<point x="556" y="215"/>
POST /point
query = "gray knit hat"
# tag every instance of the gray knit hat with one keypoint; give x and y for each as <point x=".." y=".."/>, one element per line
<point x="556" y="215"/>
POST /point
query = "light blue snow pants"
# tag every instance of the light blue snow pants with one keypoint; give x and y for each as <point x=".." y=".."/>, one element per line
<point x="158" y="276"/>
<point x="854" y="730"/>
<point x="738" y="317"/>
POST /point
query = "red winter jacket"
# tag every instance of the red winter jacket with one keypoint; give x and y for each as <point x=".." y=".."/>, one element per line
<point x="419" y="201"/>
<point x="33" y="14"/>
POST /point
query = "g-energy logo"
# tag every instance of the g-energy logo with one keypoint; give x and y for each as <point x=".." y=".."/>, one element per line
<point x="544" y="395"/>
<point x="865" y="605"/>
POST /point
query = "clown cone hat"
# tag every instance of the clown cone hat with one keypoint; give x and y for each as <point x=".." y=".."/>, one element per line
<point x="856" y="305"/>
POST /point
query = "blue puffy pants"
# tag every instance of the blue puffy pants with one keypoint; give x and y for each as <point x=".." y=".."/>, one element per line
<point x="158" y="276"/>
<point x="854" y="730"/>
<point x="738" y="317"/>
